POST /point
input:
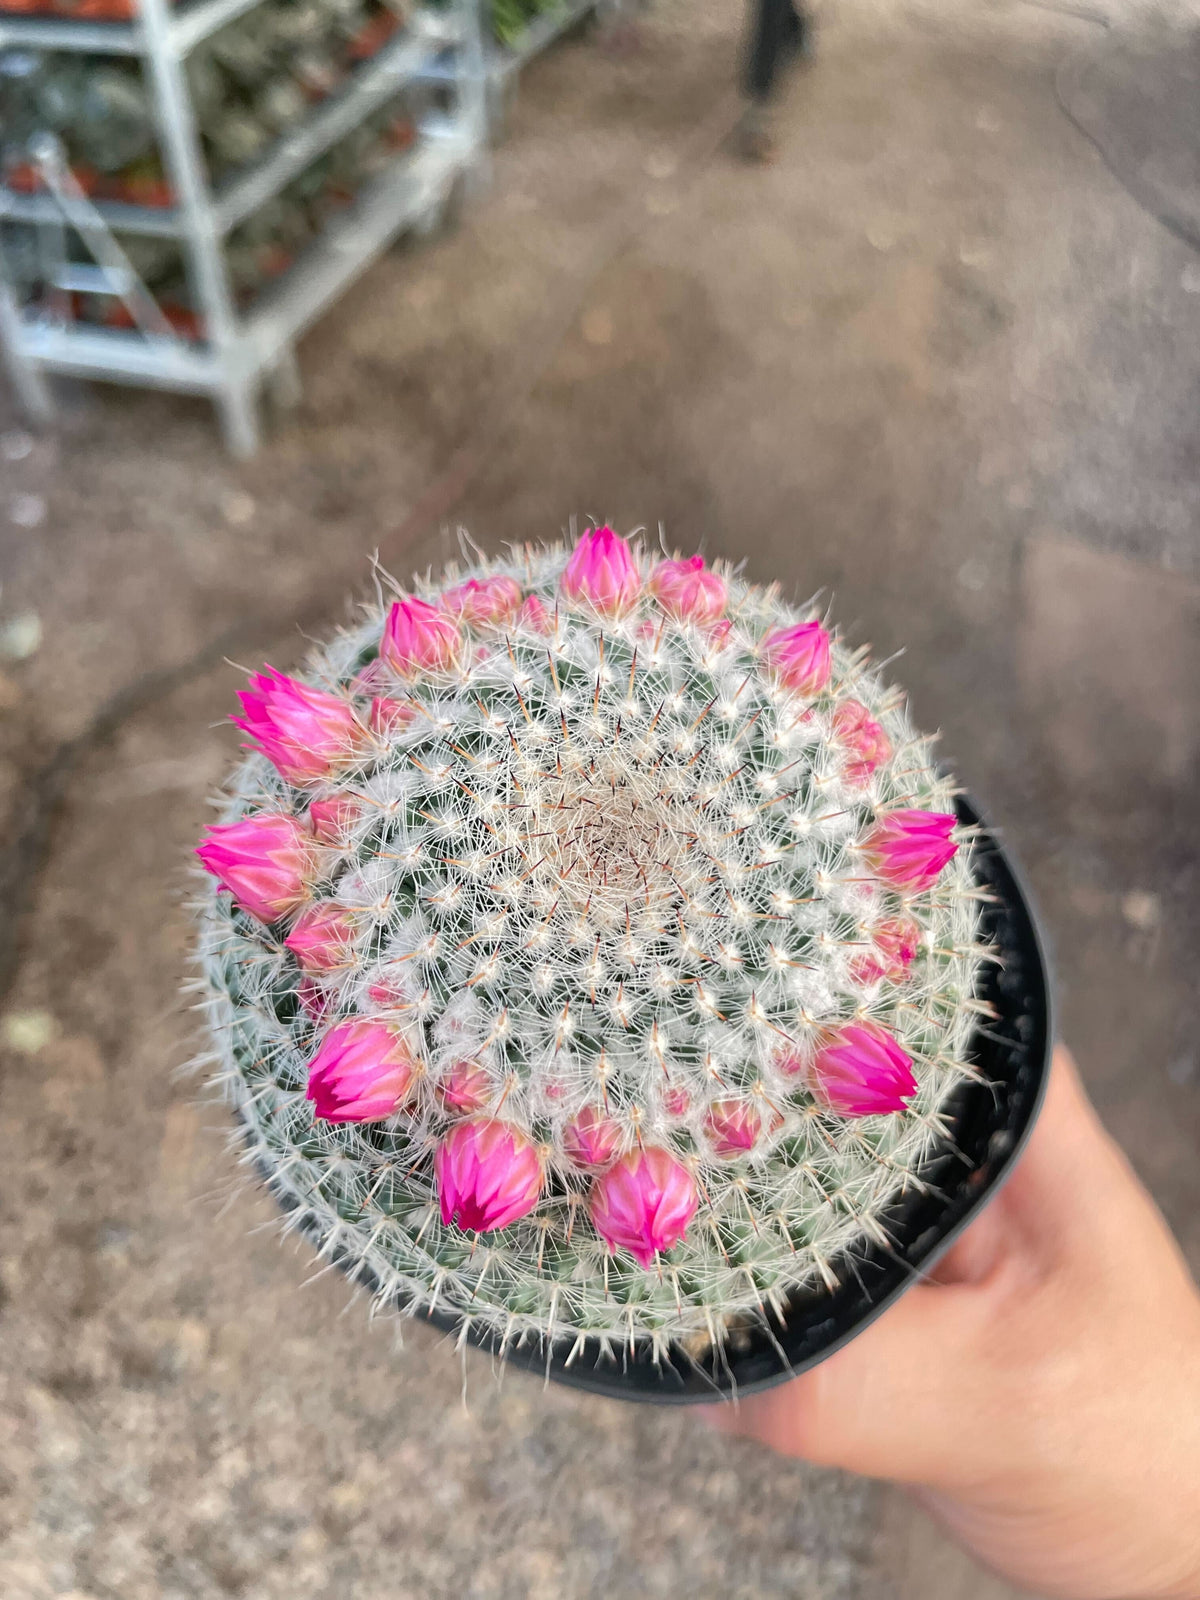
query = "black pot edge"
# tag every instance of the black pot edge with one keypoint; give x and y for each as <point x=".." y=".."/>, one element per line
<point x="613" y="1381"/>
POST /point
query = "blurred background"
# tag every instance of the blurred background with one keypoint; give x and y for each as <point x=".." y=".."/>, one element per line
<point x="940" y="355"/>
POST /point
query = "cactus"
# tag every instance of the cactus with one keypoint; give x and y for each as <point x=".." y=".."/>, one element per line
<point x="589" y="949"/>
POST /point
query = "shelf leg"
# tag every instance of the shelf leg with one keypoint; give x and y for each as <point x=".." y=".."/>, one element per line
<point x="474" y="78"/>
<point x="283" y="384"/>
<point x="30" y="385"/>
<point x="235" y="392"/>
<point x="238" y="409"/>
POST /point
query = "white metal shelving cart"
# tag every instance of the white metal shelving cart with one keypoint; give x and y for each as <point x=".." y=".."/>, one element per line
<point x="241" y="349"/>
<point x="504" y="62"/>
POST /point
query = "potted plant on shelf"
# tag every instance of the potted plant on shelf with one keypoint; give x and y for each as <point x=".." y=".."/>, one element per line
<point x="600" y="964"/>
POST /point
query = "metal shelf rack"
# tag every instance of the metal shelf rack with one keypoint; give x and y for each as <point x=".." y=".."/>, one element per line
<point x="505" y="61"/>
<point x="240" y="351"/>
<point x="185" y="28"/>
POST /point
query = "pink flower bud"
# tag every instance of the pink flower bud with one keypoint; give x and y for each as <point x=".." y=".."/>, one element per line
<point x="733" y="1126"/>
<point x="688" y="591"/>
<point x="388" y="715"/>
<point x="417" y="637"/>
<point x="266" y="862"/>
<point x="791" y="1062"/>
<point x="865" y="743"/>
<point x="480" y="601"/>
<point x="592" y="1138"/>
<point x="306" y="733"/>
<point x="465" y="1089"/>
<point x="392" y="986"/>
<point x="644" y="1203"/>
<point x="371" y="679"/>
<point x="488" y="1175"/>
<point x="894" y="947"/>
<point x="534" y="616"/>
<point x="677" y="1102"/>
<point x="332" y="819"/>
<point x="909" y="848"/>
<point x="800" y="656"/>
<point x="861" y="1071"/>
<point x="323" y="938"/>
<point x="602" y="571"/>
<point x="363" y="1072"/>
<point x="316" y="1000"/>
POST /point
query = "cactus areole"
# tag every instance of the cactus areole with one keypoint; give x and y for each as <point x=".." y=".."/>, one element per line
<point x="610" y="990"/>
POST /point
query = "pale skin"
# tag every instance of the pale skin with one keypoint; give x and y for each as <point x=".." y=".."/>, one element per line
<point x="1042" y="1395"/>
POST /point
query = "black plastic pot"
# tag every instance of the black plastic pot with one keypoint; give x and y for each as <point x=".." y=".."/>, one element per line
<point x="990" y="1121"/>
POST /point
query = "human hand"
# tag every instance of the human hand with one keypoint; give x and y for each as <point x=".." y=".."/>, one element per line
<point x="1042" y="1393"/>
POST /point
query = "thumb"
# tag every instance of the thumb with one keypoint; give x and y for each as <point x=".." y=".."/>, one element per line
<point x="884" y="1406"/>
<point x="900" y="1400"/>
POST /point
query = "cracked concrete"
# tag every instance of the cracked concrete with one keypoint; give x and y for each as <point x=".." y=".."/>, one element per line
<point x="937" y="359"/>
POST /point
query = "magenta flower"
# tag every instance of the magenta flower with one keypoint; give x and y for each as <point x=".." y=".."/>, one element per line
<point x="480" y="601"/>
<point x="732" y="1126"/>
<point x="893" y="949"/>
<point x="861" y="1071"/>
<point x="418" y="637"/>
<point x="266" y="862"/>
<point x="800" y="656"/>
<point x="488" y="1175"/>
<point x="465" y="1089"/>
<point x="644" y="1203"/>
<point x="388" y="715"/>
<point x="909" y="848"/>
<point x="688" y="590"/>
<point x="331" y="820"/>
<point x="534" y="616"/>
<point x="592" y="1138"/>
<point x="306" y="733"/>
<point x="363" y="1072"/>
<point x="602" y="570"/>
<point x="865" y="743"/>
<point x="323" y="937"/>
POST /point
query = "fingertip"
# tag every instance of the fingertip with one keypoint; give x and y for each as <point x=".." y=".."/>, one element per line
<point x="873" y="1407"/>
<point x="1064" y="1073"/>
<point x="1068" y="1132"/>
<point x="744" y="1414"/>
<point x="718" y="1415"/>
<point x="771" y="1417"/>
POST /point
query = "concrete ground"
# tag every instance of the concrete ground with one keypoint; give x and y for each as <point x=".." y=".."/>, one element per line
<point x="941" y="358"/>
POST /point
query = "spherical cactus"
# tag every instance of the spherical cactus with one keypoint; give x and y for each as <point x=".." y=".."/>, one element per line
<point x="590" y="947"/>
